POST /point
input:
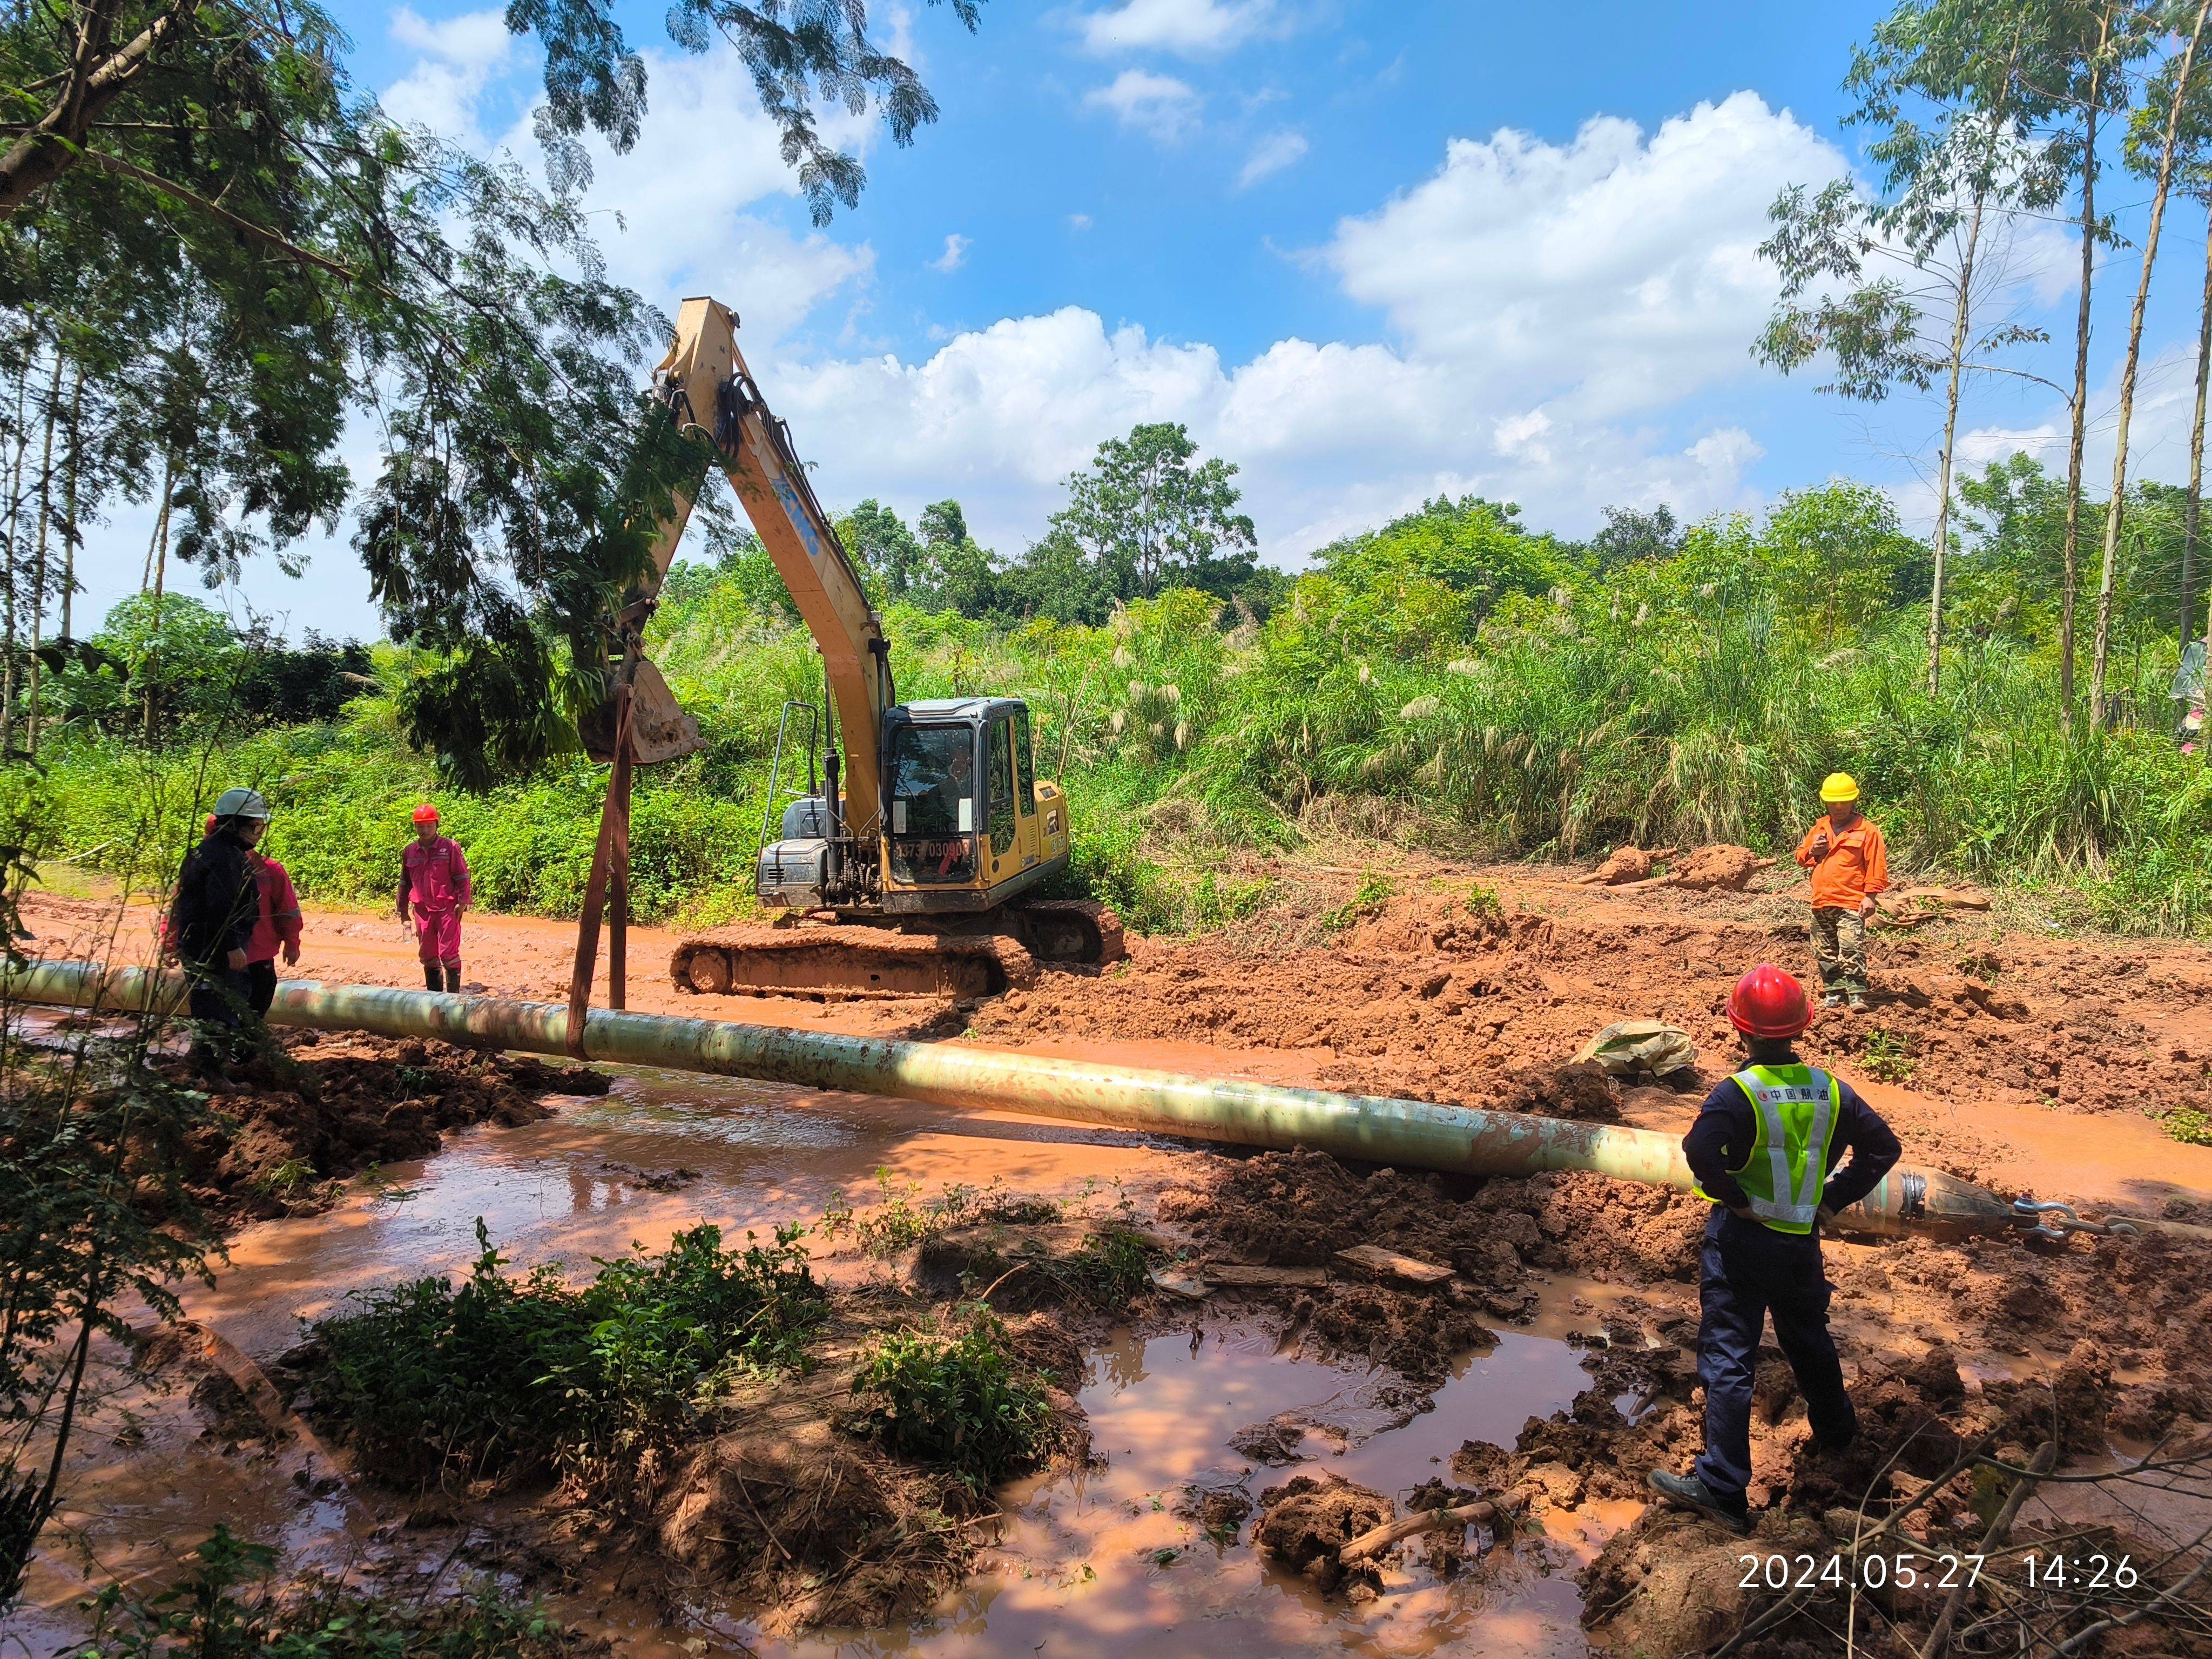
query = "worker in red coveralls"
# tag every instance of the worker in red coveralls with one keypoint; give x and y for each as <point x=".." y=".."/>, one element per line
<point x="433" y="881"/>
<point x="277" y="928"/>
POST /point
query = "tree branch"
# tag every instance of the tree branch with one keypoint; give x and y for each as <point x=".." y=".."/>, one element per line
<point x="56" y="144"/>
<point x="260" y="233"/>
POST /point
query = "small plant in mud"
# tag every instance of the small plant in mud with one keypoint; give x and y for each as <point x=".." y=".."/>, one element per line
<point x="1482" y="903"/>
<point x="283" y="1178"/>
<point x="955" y="1397"/>
<point x="1217" y="901"/>
<point x="1107" y="1272"/>
<point x="510" y="1375"/>
<point x="1888" y="1057"/>
<point x="900" y="1221"/>
<point x="2188" y="1126"/>
<point x="1366" y="902"/>
<point x="230" y="1603"/>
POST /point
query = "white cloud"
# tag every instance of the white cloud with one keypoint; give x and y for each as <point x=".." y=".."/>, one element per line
<point x="1158" y="106"/>
<point x="457" y="59"/>
<point x="1276" y="151"/>
<point x="955" y="254"/>
<point x="689" y="228"/>
<point x="1079" y="222"/>
<point x="1190" y="28"/>
<point x="1623" y="271"/>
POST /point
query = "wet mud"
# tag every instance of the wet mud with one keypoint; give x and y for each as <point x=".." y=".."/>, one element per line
<point x="1551" y="1365"/>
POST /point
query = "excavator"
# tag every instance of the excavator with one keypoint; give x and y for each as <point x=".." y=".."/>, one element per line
<point x="911" y="858"/>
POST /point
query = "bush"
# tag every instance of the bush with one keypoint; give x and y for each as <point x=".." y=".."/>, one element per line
<point x="505" y="1377"/>
<point x="956" y="1399"/>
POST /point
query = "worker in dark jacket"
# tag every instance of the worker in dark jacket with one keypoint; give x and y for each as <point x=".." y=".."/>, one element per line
<point x="1779" y="1148"/>
<point x="211" y="920"/>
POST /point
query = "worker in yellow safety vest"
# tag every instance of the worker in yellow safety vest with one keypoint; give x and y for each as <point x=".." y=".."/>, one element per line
<point x="1769" y="1149"/>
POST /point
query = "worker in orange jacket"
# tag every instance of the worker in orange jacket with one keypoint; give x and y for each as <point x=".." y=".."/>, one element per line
<point x="1849" y="864"/>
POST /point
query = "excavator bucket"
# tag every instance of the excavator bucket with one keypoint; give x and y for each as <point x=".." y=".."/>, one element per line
<point x="658" y="730"/>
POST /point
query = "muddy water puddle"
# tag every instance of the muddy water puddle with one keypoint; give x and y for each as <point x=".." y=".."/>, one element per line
<point x="1094" y="1563"/>
<point x="1102" y="1562"/>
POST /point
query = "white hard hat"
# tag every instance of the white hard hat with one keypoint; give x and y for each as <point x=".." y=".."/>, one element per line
<point x="240" y="804"/>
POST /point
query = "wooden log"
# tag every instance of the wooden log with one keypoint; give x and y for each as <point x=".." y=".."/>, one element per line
<point x="1232" y="1275"/>
<point x="1373" y="1261"/>
<point x="1380" y="1538"/>
<point x="1939" y="1637"/>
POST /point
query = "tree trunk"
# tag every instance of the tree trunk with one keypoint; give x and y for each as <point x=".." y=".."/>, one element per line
<point x="1950" y="437"/>
<point x="2070" y="582"/>
<point x="2113" y="507"/>
<point x="39" y="564"/>
<point x="69" y="509"/>
<point x="2190" y="520"/>
<point x="7" y="579"/>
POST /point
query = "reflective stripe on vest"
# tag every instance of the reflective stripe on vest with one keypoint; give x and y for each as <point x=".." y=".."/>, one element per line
<point x="1787" y="1172"/>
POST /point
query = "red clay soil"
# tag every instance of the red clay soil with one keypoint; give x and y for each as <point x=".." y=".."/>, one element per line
<point x="291" y="1127"/>
<point x="1432" y="1000"/>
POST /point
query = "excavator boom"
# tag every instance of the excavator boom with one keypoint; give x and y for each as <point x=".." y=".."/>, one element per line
<point x="707" y="386"/>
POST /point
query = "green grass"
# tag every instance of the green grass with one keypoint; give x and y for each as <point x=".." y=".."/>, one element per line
<point x="1888" y="1058"/>
<point x="504" y="1377"/>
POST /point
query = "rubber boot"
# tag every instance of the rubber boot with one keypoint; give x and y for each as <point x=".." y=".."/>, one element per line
<point x="430" y="976"/>
<point x="454" y="977"/>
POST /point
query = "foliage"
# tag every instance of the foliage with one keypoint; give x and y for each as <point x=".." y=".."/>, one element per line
<point x="229" y="1606"/>
<point x="510" y="1376"/>
<point x="2188" y="1126"/>
<point x="96" y="1218"/>
<point x="1888" y="1057"/>
<point x="955" y="1397"/>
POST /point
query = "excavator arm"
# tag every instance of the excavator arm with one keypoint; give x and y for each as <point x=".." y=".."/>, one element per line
<point x="706" y="385"/>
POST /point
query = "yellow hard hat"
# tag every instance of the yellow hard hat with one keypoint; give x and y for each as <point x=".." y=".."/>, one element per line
<point x="1839" y="786"/>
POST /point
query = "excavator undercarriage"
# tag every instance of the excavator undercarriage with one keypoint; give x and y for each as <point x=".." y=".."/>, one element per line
<point x="830" y="958"/>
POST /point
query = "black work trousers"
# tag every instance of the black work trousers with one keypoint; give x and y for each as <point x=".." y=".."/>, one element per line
<point x="1748" y="1271"/>
<point x="221" y="1003"/>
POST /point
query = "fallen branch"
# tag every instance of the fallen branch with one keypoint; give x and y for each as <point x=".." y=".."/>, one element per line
<point x="1939" y="1638"/>
<point x="1380" y="1538"/>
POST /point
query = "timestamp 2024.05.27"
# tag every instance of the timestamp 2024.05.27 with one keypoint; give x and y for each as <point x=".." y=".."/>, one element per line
<point x="1907" y="1570"/>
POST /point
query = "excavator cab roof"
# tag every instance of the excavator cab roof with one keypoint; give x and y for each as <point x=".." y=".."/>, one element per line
<point x="958" y="709"/>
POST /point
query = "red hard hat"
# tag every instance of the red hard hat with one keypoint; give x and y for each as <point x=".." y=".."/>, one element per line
<point x="426" y="813"/>
<point x="1769" y="1003"/>
<point x="210" y="824"/>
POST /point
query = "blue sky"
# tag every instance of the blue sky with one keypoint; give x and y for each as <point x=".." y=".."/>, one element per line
<point x="1367" y="250"/>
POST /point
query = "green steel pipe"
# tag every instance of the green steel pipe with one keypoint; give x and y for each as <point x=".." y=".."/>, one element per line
<point x="1407" y="1133"/>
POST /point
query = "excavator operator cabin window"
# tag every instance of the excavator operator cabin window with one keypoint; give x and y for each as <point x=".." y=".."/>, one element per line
<point x="1002" y="787"/>
<point x="1026" y="793"/>
<point x="932" y="779"/>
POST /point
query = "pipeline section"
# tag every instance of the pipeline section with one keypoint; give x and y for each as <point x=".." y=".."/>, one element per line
<point x="1409" y="1133"/>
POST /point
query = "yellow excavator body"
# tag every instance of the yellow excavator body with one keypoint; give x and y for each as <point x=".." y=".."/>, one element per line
<point x="913" y="862"/>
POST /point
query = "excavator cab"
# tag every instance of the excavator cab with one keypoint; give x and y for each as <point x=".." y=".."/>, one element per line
<point x="970" y="826"/>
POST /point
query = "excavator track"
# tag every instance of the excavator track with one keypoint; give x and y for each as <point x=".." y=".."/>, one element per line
<point x="1073" y="930"/>
<point x="837" y="962"/>
<point x="831" y="962"/>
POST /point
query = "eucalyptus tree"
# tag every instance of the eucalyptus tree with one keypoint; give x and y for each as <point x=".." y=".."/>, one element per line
<point x="2075" y="80"/>
<point x="2169" y="94"/>
<point x="1887" y="285"/>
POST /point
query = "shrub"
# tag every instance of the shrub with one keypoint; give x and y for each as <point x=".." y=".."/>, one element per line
<point x="506" y="1376"/>
<point x="956" y="1399"/>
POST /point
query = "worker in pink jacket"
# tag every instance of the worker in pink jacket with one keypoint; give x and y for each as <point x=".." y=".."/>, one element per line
<point x="277" y="928"/>
<point x="433" y="881"/>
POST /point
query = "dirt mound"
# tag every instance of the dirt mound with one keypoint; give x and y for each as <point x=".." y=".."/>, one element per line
<point x="1434" y="1000"/>
<point x="1719" y="866"/>
<point x="1626" y="864"/>
<point x="1304" y="1522"/>
<point x="815" y="1528"/>
<point x="1299" y="1208"/>
<point x="289" y="1127"/>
